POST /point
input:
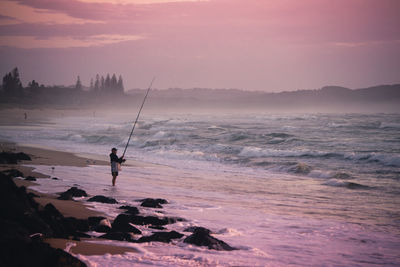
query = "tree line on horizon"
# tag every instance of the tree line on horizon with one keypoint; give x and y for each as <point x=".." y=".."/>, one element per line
<point x="100" y="87"/>
<point x="107" y="84"/>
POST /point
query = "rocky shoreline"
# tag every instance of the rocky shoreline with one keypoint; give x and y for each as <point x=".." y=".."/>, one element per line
<point x="28" y="224"/>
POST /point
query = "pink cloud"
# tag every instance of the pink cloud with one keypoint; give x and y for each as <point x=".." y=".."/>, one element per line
<point x="229" y="43"/>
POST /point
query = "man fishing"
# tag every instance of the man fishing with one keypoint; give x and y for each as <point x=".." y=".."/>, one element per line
<point x="115" y="161"/>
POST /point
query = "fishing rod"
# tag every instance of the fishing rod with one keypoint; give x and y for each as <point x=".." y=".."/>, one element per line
<point x="137" y="117"/>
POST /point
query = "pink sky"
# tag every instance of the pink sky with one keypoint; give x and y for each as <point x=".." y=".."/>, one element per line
<point x="269" y="45"/>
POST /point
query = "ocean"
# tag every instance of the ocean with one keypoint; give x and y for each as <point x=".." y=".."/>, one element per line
<point x="300" y="190"/>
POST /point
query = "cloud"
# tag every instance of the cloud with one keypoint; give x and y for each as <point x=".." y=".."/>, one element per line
<point x="364" y="44"/>
<point x="19" y="13"/>
<point x="28" y="42"/>
<point x="138" y="2"/>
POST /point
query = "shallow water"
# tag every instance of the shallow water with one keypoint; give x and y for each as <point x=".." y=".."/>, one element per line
<point x="287" y="190"/>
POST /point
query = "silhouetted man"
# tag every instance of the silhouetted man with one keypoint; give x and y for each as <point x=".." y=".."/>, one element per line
<point x="115" y="164"/>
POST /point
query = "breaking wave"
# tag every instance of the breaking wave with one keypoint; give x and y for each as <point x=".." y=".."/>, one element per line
<point x="345" y="184"/>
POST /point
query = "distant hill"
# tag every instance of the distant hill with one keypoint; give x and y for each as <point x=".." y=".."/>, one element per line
<point x="382" y="98"/>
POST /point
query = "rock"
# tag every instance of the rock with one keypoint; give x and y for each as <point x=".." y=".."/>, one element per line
<point x="72" y="192"/>
<point x="99" y="224"/>
<point x="74" y="225"/>
<point x="202" y="237"/>
<point x="30" y="178"/>
<point x="151" y="220"/>
<point x="104" y="226"/>
<point x="12" y="158"/>
<point x="35" y="254"/>
<point x="153" y="203"/>
<point x="50" y="211"/>
<point x="13" y="173"/>
<point x="130" y="210"/>
<point x="55" y="178"/>
<point x="122" y="224"/>
<point x="120" y="236"/>
<point x="103" y="199"/>
<point x="21" y="227"/>
<point x="95" y="220"/>
<point x="14" y="201"/>
<point x="192" y="229"/>
<point x="54" y="219"/>
<point x="164" y="237"/>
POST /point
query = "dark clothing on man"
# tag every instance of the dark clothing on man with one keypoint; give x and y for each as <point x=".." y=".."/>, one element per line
<point x="114" y="163"/>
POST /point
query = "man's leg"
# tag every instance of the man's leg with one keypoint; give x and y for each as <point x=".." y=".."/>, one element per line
<point x="114" y="175"/>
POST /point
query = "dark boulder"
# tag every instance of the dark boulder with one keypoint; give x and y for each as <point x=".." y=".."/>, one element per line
<point x="202" y="237"/>
<point x="102" y="228"/>
<point x="120" y="236"/>
<point x="192" y="229"/>
<point x="14" y="201"/>
<point x="151" y="220"/>
<point x="13" y="173"/>
<point x="72" y="192"/>
<point x="35" y="254"/>
<point x="30" y="178"/>
<point x="130" y="210"/>
<point x="103" y="199"/>
<point x="51" y="212"/>
<point x="22" y="224"/>
<point x="61" y="226"/>
<point x="153" y="203"/>
<point x="12" y="158"/>
<point x="164" y="237"/>
<point x="54" y="219"/>
<point x="99" y="224"/>
<point x="55" y="178"/>
<point x="123" y="224"/>
<point x="74" y="225"/>
<point x="95" y="220"/>
<point x="35" y="224"/>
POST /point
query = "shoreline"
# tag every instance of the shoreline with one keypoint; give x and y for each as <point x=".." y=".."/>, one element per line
<point x="68" y="208"/>
<point x="79" y="231"/>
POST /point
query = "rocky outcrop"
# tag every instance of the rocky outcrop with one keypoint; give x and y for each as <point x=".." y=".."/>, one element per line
<point x="72" y="192"/>
<point x="153" y="203"/>
<point x="193" y="229"/>
<point x="23" y="222"/>
<point x="104" y="226"/>
<point x="153" y="220"/>
<point x="122" y="223"/>
<point x="103" y="199"/>
<point x="164" y="237"/>
<point x="130" y="210"/>
<point x="12" y="158"/>
<point x="201" y="237"/>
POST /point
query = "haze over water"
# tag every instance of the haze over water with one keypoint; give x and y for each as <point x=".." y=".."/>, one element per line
<point x="286" y="189"/>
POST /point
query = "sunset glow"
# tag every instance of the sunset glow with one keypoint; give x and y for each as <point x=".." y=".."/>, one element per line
<point x="253" y="45"/>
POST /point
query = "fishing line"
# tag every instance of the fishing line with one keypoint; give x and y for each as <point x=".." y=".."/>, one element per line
<point x="137" y="117"/>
